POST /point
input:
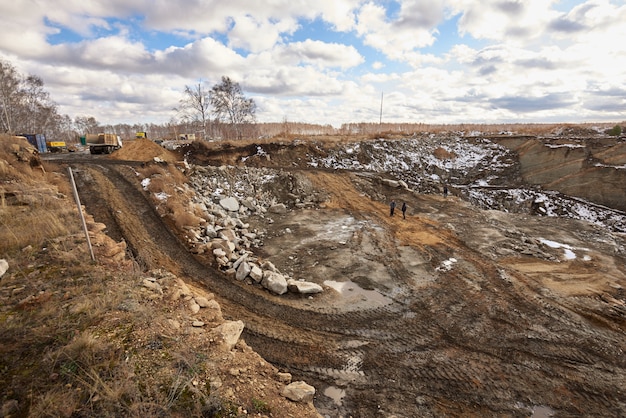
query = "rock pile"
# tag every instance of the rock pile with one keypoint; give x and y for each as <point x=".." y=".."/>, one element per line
<point x="227" y="197"/>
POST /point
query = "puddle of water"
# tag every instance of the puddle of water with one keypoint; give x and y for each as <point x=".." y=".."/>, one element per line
<point x="336" y="394"/>
<point x="352" y="290"/>
<point x="542" y="412"/>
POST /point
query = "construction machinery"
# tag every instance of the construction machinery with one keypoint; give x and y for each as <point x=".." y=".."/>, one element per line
<point x="56" y="146"/>
<point x="103" y="143"/>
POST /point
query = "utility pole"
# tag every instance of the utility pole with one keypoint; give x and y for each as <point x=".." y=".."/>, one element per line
<point x="380" y="122"/>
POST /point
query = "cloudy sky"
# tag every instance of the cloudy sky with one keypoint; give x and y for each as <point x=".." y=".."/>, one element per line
<point x="328" y="61"/>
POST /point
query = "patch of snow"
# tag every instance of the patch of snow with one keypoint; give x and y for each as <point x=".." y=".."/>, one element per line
<point x="446" y="265"/>
<point x="145" y="183"/>
<point x="568" y="250"/>
<point x="564" y="145"/>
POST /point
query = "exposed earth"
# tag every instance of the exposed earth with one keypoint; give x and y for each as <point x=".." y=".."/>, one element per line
<point x="454" y="311"/>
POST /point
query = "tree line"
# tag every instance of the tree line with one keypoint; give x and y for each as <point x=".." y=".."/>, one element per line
<point x="219" y="112"/>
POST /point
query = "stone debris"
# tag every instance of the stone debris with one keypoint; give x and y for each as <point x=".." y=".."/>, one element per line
<point x="227" y="236"/>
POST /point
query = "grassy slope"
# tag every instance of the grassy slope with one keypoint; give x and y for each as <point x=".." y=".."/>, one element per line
<point x="83" y="338"/>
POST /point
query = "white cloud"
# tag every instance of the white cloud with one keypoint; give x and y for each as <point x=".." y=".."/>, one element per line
<point x="510" y="20"/>
<point x="413" y="28"/>
<point x="318" y="53"/>
<point x="515" y="60"/>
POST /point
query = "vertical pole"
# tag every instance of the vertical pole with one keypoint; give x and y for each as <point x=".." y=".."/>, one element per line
<point x="80" y="212"/>
<point x="380" y="122"/>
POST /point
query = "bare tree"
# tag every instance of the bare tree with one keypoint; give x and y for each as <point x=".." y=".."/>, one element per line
<point x="25" y="106"/>
<point x="231" y="106"/>
<point x="195" y="106"/>
<point x="38" y="112"/>
<point x="87" y="124"/>
<point x="10" y="96"/>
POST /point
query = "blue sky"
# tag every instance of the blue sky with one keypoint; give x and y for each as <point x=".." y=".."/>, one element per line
<point x="328" y="61"/>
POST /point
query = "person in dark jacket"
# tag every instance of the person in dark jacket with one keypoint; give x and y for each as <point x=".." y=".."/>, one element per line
<point x="392" y="207"/>
<point x="403" y="210"/>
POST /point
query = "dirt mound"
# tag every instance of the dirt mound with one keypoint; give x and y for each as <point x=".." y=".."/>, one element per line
<point x="144" y="150"/>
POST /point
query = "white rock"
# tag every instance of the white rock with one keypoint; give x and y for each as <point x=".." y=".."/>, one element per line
<point x="268" y="265"/>
<point x="231" y="204"/>
<point x="202" y="301"/>
<point x="302" y="287"/>
<point x="240" y="260"/>
<point x="195" y="308"/>
<point x="230" y="331"/>
<point x="274" y="282"/>
<point x="218" y="252"/>
<point x="4" y="266"/>
<point x="210" y="231"/>
<point x="278" y="208"/>
<point x="256" y="273"/>
<point x="152" y="286"/>
<point x="243" y="270"/>
<point x="299" y="392"/>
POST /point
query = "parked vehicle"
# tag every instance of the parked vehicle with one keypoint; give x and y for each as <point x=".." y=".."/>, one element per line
<point x="103" y="143"/>
<point x="57" y="146"/>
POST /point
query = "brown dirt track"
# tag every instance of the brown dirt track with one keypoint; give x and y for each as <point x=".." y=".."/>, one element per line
<point x="473" y="317"/>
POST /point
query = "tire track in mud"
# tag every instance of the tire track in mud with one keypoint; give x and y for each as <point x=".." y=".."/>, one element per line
<point x="435" y="343"/>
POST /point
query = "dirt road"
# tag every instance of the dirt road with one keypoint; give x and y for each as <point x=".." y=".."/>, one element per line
<point x="451" y="312"/>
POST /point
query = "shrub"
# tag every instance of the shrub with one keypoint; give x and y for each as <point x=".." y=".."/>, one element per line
<point x="615" y="131"/>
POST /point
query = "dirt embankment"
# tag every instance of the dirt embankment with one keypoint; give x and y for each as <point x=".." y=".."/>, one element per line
<point x="589" y="168"/>
<point x="454" y="311"/>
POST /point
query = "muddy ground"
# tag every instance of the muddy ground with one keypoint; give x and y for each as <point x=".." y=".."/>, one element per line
<point x="453" y="311"/>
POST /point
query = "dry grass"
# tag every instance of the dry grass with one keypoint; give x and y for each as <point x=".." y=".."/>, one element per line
<point x="165" y="181"/>
<point x="34" y="225"/>
<point x="73" y="334"/>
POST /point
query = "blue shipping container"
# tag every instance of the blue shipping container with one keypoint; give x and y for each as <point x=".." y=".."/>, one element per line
<point x="38" y="141"/>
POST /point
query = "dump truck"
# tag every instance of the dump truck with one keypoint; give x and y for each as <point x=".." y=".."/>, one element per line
<point x="103" y="143"/>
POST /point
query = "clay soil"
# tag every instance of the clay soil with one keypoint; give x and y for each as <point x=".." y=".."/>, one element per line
<point x="453" y="311"/>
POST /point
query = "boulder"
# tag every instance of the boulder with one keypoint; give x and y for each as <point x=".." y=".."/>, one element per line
<point x="274" y="282"/>
<point x="230" y="204"/>
<point x="202" y="301"/>
<point x="278" y="208"/>
<point x="4" y="266"/>
<point x="299" y="392"/>
<point x="256" y="273"/>
<point x="230" y="331"/>
<point x="303" y="287"/>
<point x="243" y="270"/>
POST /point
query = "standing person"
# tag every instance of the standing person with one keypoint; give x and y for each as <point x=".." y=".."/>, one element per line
<point x="392" y="207"/>
<point x="445" y="190"/>
<point x="403" y="210"/>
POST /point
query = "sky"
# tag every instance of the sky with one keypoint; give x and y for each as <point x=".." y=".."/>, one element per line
<point x="328" y="61"/>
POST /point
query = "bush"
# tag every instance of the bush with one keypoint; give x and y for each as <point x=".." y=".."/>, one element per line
<point x="615" y="131"/>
